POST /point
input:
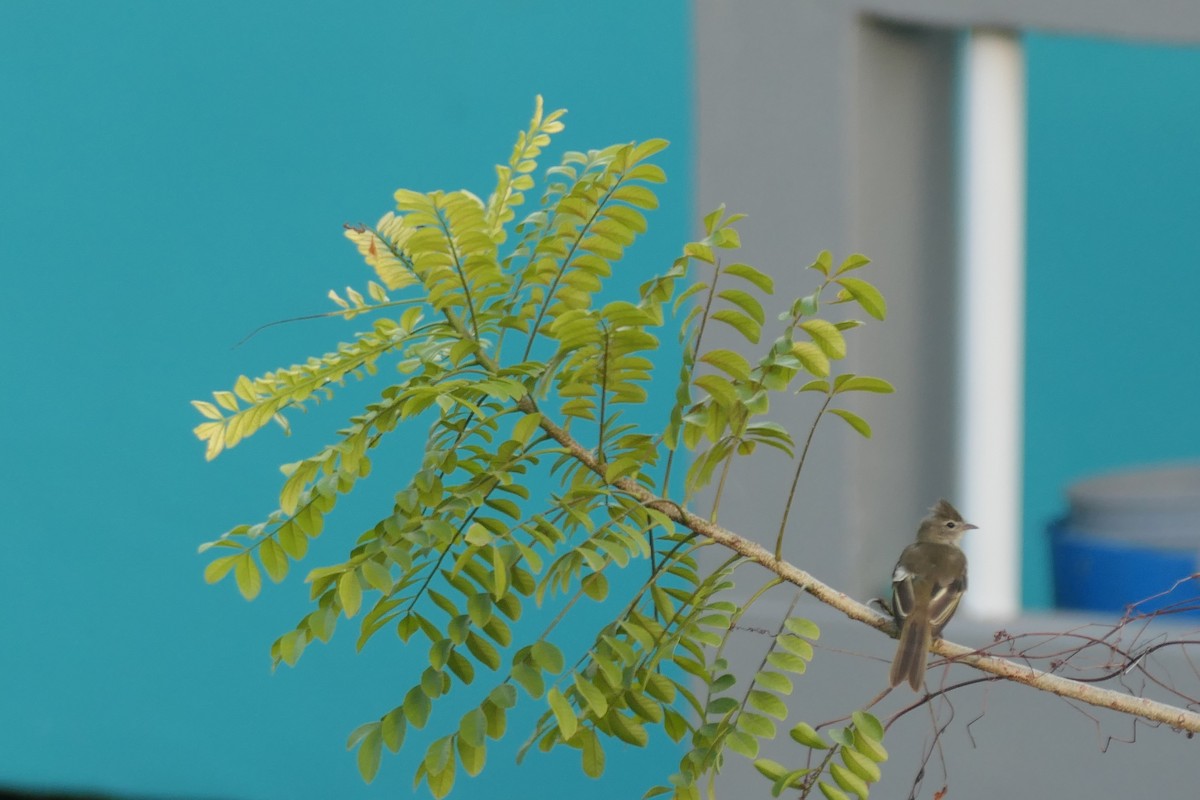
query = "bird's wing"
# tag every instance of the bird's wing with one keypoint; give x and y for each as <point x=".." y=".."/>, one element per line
<point x="902" y="593"/>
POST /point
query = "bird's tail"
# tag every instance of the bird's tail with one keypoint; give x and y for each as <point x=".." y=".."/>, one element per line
<point x="909" y="663"/>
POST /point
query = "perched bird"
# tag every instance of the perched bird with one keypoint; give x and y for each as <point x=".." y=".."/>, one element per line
<point x="927" y="584"/>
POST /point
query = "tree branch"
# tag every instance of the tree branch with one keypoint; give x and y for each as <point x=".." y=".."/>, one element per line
<point x="1152" y="710"/>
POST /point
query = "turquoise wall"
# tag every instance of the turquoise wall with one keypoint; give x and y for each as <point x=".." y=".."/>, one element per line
<point x="172" y="175"/>
<point x="1113" y="269"/>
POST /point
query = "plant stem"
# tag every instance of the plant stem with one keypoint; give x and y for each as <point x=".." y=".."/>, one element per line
<point x="787" y="509"/>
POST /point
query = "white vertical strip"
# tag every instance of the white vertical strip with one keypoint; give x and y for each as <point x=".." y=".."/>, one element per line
<point x="992" y="334"/>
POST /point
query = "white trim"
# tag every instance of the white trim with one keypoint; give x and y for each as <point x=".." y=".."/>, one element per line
<point x="991" y="310"/>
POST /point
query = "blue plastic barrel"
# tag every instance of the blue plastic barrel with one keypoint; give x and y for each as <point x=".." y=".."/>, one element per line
<point x="1128" y="539"/>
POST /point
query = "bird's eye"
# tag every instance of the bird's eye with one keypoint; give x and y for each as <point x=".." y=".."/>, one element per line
<point x="950" y="524"/>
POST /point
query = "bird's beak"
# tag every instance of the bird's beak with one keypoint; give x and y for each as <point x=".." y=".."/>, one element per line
<point x="969" y="527"/>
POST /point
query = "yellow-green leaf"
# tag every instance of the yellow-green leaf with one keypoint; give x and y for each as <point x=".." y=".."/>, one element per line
<point x="864" y="383"/>
<point x="812" y="358"/>
<point x="368" y="754"/>
<point x="249" y="579"/>
<point x="853" y="420"/>
<point x="218" y="568"/>
<point x="830" y="792"/>
<point x="849" y="781"/>
<point x="592" y="753"/>
<point x="732" y="364"/>
<point x="867" y="296"/>
<point x="274" y="560"/>
<point x="826" y="336"/>
<point x="860" y="765"/>
<point x="207" y="409"/>
<point x="499" y="573"/>
<point x="350" y="593"/>
<point x="853" y="261"/>
<point x="807" y="735"/>
<point x="564" y="715"/>
<point x="525" y="427"/>
<point x="393" y="728"/>
<point x="592" y="696"/>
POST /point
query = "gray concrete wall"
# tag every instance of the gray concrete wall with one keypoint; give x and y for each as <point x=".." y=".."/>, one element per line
<point x="832" y="125"/>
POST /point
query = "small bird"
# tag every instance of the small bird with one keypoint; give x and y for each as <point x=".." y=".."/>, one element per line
<point x="927" y="584"/>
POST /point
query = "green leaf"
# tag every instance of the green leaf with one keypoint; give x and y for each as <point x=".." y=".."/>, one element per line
<point x="660" y="687"/>
<point x="218" y="568"/>
<point x="740" y="322"/>
<point x="806" y="735"/>
<point x="794" y="644"/>
<point x="591" y="753"/>
<point x="207" y="409"/>
<point x="274" y="560"/>
<point x="860" y="765"/>
<point x="732" y="364"/>
<point x="853" y="420"/>
<point x="718" y="388"/>
<point x="849" y="781"/>
<point x="869" y="747"/>
<point x="774" y="681"/>
<point x="768" y="704"/>
<point x="787" y="661"/>
<point x="853" y="261"/>
<point x="525" y="427"/>
<point x="720" y="706"/>
<point x="826" y="336"/>
<point x="472" y="728"/>
<point x="628" y="730"/>
<point x="803" y="627"/>
<point x="564" y="715"/>
<point x="791" y="780"/>
<point x="479" y="608"/>
<point x="499" y="573"/>
<point x="746" y="302"/>
<point x="595" y="586"/>
<point x="529" y="678"/>
<point x="360" y="733"/>
<point x="594" y="698"/>
<point x="439" y="754"/>
<point x="867" y="296"/>
<point x="473" y="757"/>
<point x="407" y="626"/>
<point x="377" y="576"/>
<point x="417" y="707"/>
<point x="638" y="196"/>
<point x="756" y="724"/>
<point x="749" y="273"/>
<point x="350" y="593"/>
<point x="503" y="696"/>
<point x="482" y="650"/>
<point x="815" y="386"/>
<point x="743" y="744"/>
<point x="548" y="657"/>
<point x="863" y="383"/>
<point x="441" y="783"/>
<point x="830" y="792"/>
<point x="291" y="645"/>
<point x="769" y="768"/>
<point x="812" y="358"/>
<point x="369" y="752"/>
<point x="823" y="262"/>
<point x="392" y="728"/>
<point x="866" y="723"/>
<point x="249" y="579"/>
